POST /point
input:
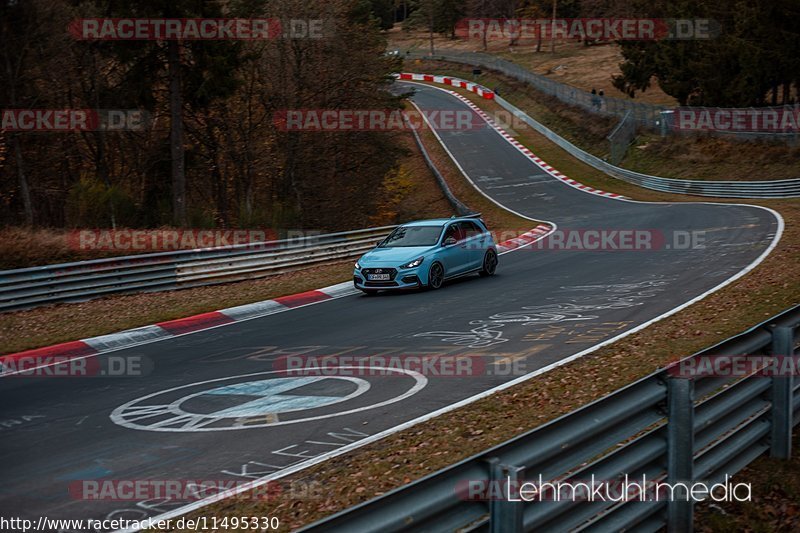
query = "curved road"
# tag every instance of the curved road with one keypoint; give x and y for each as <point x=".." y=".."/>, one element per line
<point x="541" y="307"/>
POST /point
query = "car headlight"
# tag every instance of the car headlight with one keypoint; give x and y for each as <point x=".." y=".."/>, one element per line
<point x="358" y="267"/>
<point x="415" y="263"/>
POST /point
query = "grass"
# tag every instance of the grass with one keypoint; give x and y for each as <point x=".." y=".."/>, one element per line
<point x="408" y="455"/>
<point x="775" y="506"/>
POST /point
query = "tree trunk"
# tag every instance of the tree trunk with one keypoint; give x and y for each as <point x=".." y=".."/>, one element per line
<point x="430" y="28"/>
<point x="219" y="185"/>
<point x="176" y="135"/>
<point x="484" y="39"/>
<point x="23" y="183"/>
<point x="101" y="167"/>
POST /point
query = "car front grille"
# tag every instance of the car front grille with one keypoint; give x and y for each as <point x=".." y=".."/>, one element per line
<point x="381" y="284"/>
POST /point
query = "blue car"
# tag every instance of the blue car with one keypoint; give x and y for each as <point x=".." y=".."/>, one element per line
<point x="425" y="253"/>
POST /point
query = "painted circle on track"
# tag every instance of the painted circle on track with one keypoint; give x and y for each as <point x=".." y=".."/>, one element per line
<point x="251" y="401"/>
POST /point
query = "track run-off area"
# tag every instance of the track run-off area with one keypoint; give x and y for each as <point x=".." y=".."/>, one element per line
<point x="214" y="404"/>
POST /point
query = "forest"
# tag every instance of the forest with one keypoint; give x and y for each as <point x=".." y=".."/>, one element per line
<point x="210" y="154"/>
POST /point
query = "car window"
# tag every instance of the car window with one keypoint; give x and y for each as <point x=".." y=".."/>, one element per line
<point x="413" y="236"/>
<point x="470" y="229"/>
<point x="451" y="231"/>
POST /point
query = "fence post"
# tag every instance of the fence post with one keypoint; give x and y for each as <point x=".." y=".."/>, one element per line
<point x="505" y="516"/>
<point x="782" y="391"/>
<point x="680" y="452"/>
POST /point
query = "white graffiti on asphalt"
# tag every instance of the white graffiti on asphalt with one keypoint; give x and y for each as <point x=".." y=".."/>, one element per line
<point x="579" y="308"/>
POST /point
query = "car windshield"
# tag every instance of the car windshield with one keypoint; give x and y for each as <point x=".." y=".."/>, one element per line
<point x="413" y="236"/>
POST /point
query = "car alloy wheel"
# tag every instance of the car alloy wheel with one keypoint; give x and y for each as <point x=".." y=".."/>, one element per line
<point x="489" y="263"/>
<point x="435" y="276"/>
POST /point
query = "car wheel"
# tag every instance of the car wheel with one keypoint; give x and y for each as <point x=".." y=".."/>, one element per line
<point x="489" y="263"/>
<point x="435" y="276"/>
<point x="370" y="292"/>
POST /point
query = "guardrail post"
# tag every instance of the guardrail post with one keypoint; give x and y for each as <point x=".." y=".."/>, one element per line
<point x="680" y="452"/>
<point x="782" y="391"/>
<point x="505" y="516"/>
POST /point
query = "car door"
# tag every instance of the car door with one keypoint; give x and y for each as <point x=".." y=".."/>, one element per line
<point x="474" y="244"/>
<point x="453" y="256"/>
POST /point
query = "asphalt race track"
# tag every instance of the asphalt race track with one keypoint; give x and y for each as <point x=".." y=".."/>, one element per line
<point x="541" y="307"/>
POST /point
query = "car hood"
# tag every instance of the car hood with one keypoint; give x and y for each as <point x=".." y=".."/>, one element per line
<point x="394" y="256"/>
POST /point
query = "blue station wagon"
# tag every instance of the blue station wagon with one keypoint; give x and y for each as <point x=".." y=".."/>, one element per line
<point x="425" y="253"/>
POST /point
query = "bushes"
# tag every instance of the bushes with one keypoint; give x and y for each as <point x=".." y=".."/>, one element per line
<point x="93" y="204"/>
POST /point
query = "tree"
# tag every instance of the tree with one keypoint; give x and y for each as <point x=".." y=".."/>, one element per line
<point x="754" y="56"/>
<point x="212" y="105"/>
<point x="437" y="16"/>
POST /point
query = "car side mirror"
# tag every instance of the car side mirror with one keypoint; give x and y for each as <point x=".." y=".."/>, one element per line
<point x="378" y="244"/>
<point x="450" y="241"/>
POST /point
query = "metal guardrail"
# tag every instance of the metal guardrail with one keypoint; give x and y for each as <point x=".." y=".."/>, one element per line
<point x="670" y="428"/>
<point x="85" y="280"/>
<point x="724" y="189"/>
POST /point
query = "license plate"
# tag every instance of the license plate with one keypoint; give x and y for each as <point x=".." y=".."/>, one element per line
<point x="378" y="277"/>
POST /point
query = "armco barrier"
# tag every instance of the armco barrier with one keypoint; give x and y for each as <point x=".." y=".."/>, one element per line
<point x="724" y="189"/>
<point x="84" y="280"/>
<point x="668" y="427"/>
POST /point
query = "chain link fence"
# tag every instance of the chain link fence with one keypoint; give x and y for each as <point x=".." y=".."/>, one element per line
<point x="621" y="138"/>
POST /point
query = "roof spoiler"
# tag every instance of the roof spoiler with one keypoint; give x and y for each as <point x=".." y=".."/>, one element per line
<point x="473" y="215"/>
